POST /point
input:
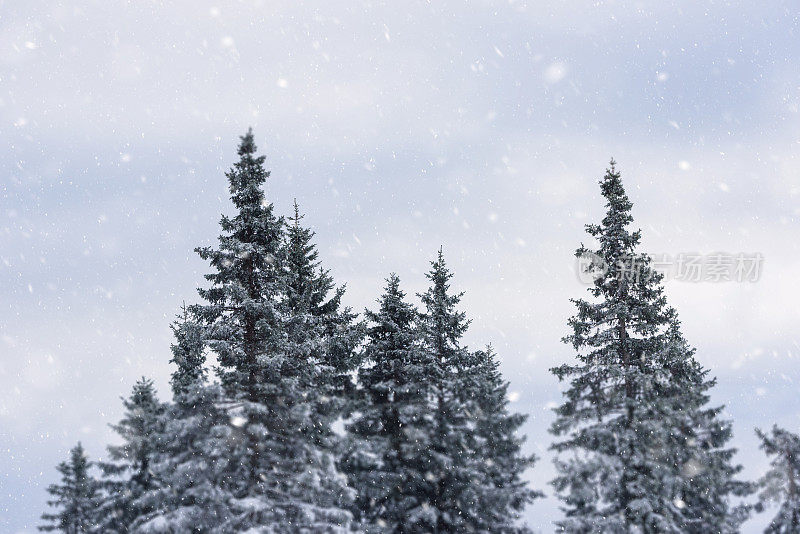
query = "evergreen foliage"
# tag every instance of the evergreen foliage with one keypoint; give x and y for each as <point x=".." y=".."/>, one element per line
<point x="279" y="474"/>
<point x="389" y="458"/>
<point x="645" y="453"/>
<point x="188" y="494"/>
<point x="502" y="493"/>
<point x="75" y="498"/>
<point x="781" y="483"/>
<point x="128" y="475"/>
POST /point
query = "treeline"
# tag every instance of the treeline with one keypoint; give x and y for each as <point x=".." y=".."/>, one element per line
<point x="289" y="413"/>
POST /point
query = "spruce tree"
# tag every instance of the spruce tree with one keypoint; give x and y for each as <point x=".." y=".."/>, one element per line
<point x="75" y="498"/>
<point x="315" y="303"/>
<point x="128" y="474"/>
<point x="477" y="464"/>
<point x="645" y="453"/>
<point x="454" y="473"/>
<point x="279" y="476"/>
<point x="390" y="456"/>
<point x="781" y="484"/>
<point x="188" y="494"/>
<point x="502" y="493"/>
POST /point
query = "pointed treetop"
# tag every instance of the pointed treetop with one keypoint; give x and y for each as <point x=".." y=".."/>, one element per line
<point x="187" y="352"/>
<point x="77" y="452"/>
<point x="310" y="285"/>
<point x="247" y="145"/>
<point x="616" y="240"/>
<point x="780" y="442"/>
<point x="392" y="293"/>
<point x="439" y="274"/>
<point x="247" y="175"/>
<point x="297" y="216"/>
<point x="613" y="191"/>
<point x="443" y="316"/>
<point x="393" y="284"/>
<point x="143" y="384"/>
<point x="144" y="392"/>
<point x="393" y="307"/>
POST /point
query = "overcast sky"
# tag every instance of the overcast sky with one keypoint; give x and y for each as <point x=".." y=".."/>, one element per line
<point x="481" y="127"/>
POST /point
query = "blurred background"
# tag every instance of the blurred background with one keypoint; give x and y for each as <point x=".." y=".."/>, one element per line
<point x="482" y="127"/>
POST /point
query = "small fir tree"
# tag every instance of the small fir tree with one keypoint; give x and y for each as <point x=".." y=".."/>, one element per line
<point x="390" y="455"/>
<point x="477" y="465"/>
<point x="128" y="474"/>
<point x="75" y="498"/>
<point x="188" y="467"/>
<point x="315" y="304"/>
<point x="455" y="474"/>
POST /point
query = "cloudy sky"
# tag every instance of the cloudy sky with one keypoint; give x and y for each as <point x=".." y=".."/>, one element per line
<point x="482" y="127"/>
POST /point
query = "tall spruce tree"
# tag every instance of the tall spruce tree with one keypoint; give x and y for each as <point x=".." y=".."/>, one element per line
<point x="315" y="303"/>
<point x="75" y="498"/>
<point x="502" y="493"/>
<point x="188" y="494"/>
<point x="645" y="453"/>
<point x="128" y="474"/>
<point x="390" y="457"/>
<point x="455" y="474"/>
<point x="781" y="484"/>
<point x="476" y="461"/>
<point x="280" y="478"/>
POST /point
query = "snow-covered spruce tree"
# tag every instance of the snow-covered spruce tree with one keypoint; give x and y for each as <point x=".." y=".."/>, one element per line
<point x="315" y="304"/>
<point x="781" y="484"/>
<point x="455" y="472"/>
<point x="390" y="455"/>
<point x="639" y="449"/>
<point x="501" y="492"/>
<point x="128" y="474"/>
<point x="187" y="494"/>
<point x="476" y="462"/>
<point x="75" y="498"/>
<point x="279" y="477"/>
